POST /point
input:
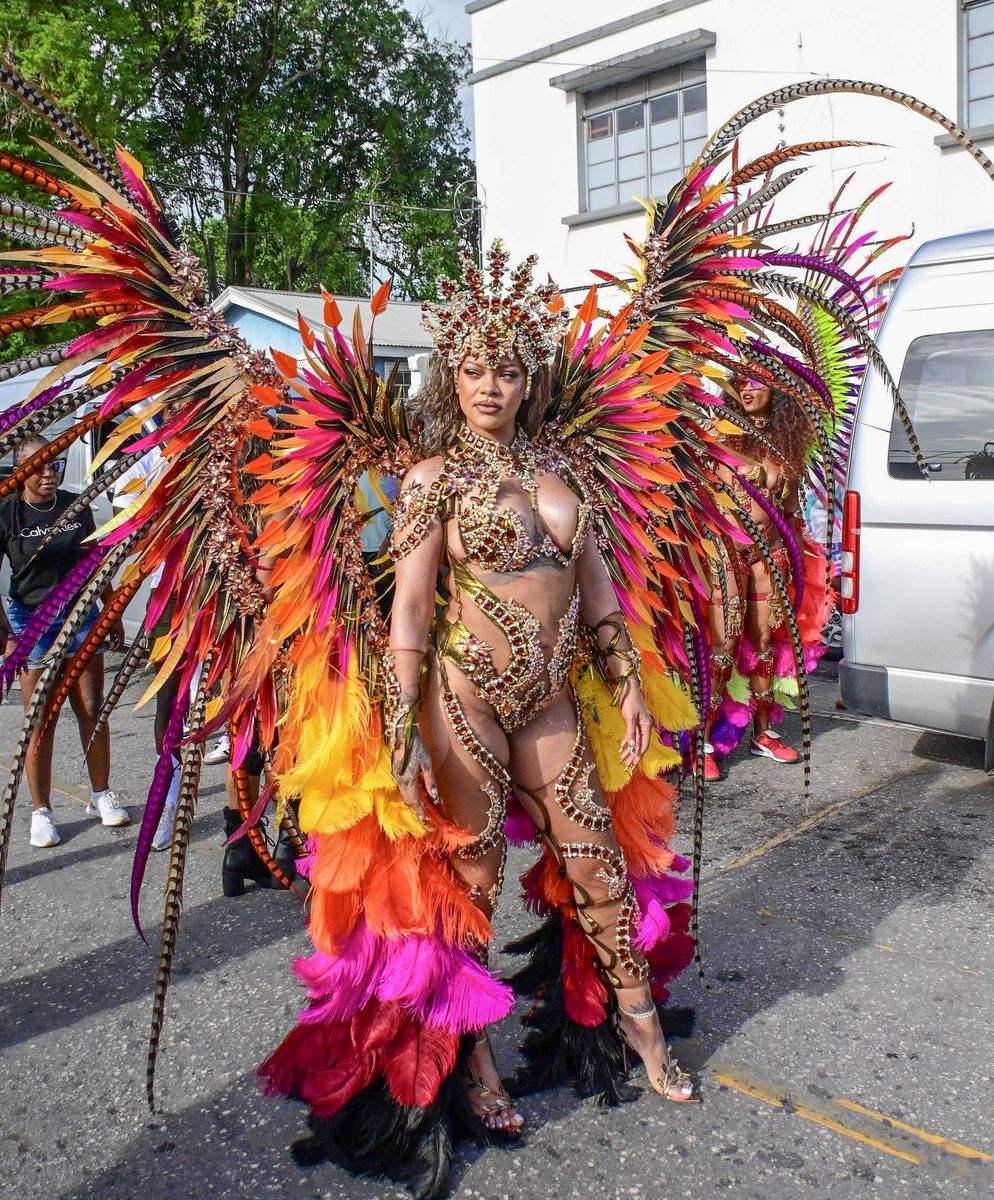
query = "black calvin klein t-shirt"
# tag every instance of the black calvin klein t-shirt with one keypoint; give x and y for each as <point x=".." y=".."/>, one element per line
<point x="22" y="527"/>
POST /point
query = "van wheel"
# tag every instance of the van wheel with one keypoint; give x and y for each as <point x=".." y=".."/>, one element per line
<point x="989" y="745"/>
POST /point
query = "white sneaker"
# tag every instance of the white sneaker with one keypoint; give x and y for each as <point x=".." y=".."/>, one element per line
<point x="108" y="810"/>
<point x="220" y="752"/>
<point x="43" y="831"/>
<point x="164" y="830"/>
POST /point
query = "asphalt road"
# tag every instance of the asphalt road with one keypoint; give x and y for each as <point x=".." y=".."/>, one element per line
<point x="843" y="1046"/>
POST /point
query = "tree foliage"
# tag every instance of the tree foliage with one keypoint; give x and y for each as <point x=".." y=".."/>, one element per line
<point x="295" y="140"/>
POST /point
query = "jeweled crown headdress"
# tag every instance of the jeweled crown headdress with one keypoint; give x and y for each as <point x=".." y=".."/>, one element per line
<point x="470" y="319"/>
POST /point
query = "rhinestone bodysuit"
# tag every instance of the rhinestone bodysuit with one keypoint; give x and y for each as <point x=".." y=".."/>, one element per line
<point x="496" y="538"/>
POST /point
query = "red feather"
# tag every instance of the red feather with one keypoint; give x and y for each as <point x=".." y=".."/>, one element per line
<point x="376" y="1026"/>
<point x="417" y="1062"/>
<point x="379" y="300"/>
<point x="584" y="993"/>
<point x="330" y="1090"/>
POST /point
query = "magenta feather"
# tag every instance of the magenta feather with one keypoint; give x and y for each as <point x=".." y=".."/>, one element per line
<point x="798" y="368"/>
<point x="139" y="192"/>
<point x="57" y="600"/>
<point x="656" y="894"/>
<point x="812" y="262"/>
<point x="442" y="985"/>
<point x="11" y="416"/>
<point x="156" y="802"/>
<point x="519" y="828"/>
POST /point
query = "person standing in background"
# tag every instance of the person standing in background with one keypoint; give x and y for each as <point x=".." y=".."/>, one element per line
<point x="25" y="519"/>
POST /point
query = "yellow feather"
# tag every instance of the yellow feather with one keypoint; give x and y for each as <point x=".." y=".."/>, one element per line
<point x="668" y="702"/>
<point x="332" y="773"/>
<point x="605" y="726"/>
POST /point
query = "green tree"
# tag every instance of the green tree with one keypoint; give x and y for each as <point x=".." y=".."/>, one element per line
<point x="296" y="141"/>
<point x="286" y="121"/>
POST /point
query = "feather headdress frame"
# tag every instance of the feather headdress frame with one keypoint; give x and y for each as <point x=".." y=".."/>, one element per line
<point x="491" y="322"/>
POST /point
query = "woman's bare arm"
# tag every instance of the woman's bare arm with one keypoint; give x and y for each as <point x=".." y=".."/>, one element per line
<point x="411" y="616"/>
<point x="617" y="655"/>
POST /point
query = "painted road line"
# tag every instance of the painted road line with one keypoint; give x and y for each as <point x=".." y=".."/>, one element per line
<point x="816" y="818"/>
<point x="812" y="1110"/>
<point x="933" y="1139"/>
<point x="896" y="1137"/>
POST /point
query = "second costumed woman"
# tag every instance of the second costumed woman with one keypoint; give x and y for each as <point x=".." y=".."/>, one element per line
<point x="753" y="673"/>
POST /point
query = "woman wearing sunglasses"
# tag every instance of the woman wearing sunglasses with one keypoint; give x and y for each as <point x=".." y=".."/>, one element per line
<point x="25" y="519"/>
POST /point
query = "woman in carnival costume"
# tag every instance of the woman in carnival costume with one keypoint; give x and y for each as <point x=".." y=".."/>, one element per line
<point x="562" y="474"/>
<point x="771" y="596"/>
<point x="481" y="701"/>
<point x="752" y="666"/>
<point x="512" y="709"/>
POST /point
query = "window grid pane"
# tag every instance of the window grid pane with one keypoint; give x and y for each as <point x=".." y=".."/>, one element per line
<point x="980" y="19"/>
<point x="643" y="148"/>
<point x="981" y="83"/>
<point x="601" y="161"/>
<point x="981" y="113"/>
<point x="980" y="51"/>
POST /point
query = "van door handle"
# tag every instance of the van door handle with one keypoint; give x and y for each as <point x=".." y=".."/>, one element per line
<point x="935" y="467"/>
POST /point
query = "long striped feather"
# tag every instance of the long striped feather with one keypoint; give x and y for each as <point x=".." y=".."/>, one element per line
<point x="182" y="830"/>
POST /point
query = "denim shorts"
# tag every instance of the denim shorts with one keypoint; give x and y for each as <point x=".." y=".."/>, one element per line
<point x="19" y="616"/>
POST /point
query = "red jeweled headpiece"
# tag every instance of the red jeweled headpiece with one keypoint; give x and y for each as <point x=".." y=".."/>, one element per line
<point x="470" y="319"/>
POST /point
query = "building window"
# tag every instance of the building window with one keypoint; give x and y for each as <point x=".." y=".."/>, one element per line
<point x="643" y="147"/>
<point x="978" y="29"/>
<point x="397" y="374"/>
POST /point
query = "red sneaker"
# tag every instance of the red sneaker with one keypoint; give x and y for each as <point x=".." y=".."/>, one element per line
<point x="769" y="745"/>
<point x="712" y="772"/>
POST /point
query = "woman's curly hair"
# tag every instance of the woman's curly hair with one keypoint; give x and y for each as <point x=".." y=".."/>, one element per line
<point x="436" y="406"/>
<point x="790" y="428"/>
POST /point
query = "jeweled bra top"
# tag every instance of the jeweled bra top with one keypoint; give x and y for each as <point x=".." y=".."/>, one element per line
<point x="467" y="487"/>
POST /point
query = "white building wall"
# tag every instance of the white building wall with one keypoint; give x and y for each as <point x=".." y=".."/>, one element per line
<point x="527" y="132"/>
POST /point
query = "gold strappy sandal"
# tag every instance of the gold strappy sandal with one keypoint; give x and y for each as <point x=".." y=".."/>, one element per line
<point x="677" y="1085"/>
<point x="495" y="1103"/>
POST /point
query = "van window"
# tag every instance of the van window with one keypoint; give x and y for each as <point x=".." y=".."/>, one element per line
<point x="948" y="388"/>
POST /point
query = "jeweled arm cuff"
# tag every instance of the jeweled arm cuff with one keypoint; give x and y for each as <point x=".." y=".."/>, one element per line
<point x="400" y="711"/>
<point x="414" y="512"/>
<point x="619" y="647"/>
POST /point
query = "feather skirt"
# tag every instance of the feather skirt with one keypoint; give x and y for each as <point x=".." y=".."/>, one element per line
<point x="736" y="709"/>
<point x="393" y="993"/>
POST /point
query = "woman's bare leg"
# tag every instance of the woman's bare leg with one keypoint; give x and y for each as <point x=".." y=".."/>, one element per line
<point x="556" y="781"/>
<point x="86" y="699"/>
<point x="38" y="763"/>
<point x="761" y="636"/>
<point x="468" y="752"/>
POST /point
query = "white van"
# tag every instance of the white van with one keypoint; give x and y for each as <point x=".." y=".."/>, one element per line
<point x="918" y="554"/>
<point x="78" y="461"/>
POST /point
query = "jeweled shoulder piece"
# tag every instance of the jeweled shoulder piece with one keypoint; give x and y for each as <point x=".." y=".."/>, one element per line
<point x="492" y="314"/>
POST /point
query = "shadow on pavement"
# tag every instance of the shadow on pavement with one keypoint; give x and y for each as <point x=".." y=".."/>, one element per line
<point x="790" y="922"/>
<point x="945" y="748"/>
<point x="47" y="861"/>
<point x="233" y="1142"/>
<point x="116" y="973"/>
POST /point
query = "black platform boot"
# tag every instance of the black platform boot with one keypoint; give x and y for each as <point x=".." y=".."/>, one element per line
<point x="286" y="856"/>
<point x="240" y="860"/>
